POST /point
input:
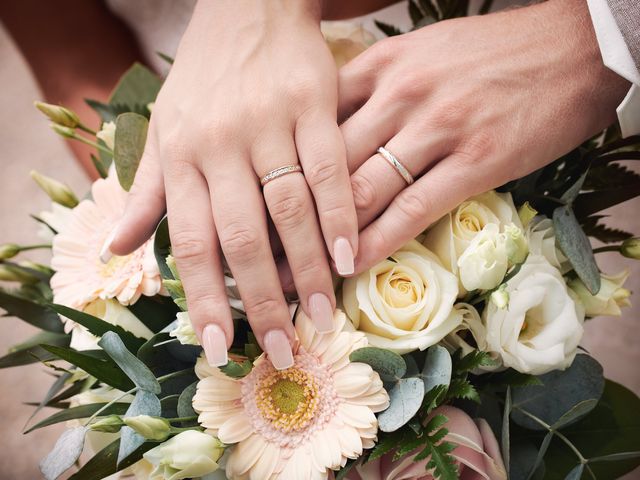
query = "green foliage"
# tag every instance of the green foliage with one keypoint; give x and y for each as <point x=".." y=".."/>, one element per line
<point x="105" y="463"/>
<point x="65" y="453"/>
<point x="39" y="316"/>
<point x="138" y="87"/>
<point x="389" y="365"/>
<point x="185" y="401"/>
<point x="405" y="399"/>
<point x="82" y="411"/>
<point x="30" y="350"/>
<point x="437" y="369"/>
<point x="388" y="30"/>
<point x="130" y="138"/>
<point x="235" y="369"/>
<point x="144" y="403"/>
<point x="443" y="464"/>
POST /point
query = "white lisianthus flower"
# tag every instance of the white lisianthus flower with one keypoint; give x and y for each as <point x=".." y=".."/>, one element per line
<point x="469" y="336"/>
<point x="184" y="331"/>
<point x="453" y="234"/>
<point x="189" y="454"/>
<point x="541" y="328"/>
<point x="111" y="312"/>
<point x="108" y="134"/>
<point x="404" y="303"/>
<point x="346" y="40"/>
<point x="609" y="300"/>
<point x="541" y="238"/>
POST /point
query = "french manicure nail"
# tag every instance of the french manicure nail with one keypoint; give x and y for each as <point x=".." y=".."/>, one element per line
<point x="278" y="348"/>
<point x="105" y="252"/>
<point x="343" y="256"/>
<point x="214" y="343"/>
<point x="321" y="312"/>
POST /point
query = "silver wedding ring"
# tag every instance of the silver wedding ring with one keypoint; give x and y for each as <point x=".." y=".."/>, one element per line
<point x="279" y="172"/>
<point x="395" y="163"/>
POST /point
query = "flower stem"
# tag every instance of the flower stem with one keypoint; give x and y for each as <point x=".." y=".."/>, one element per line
<point x="84" y="128"/>
<point x="608" y="248"/>
<point x="34" y="247"/>
<point x="86" y="141"/>
<point x="92" y="417"/>
<point x="183" y="419"/>
<point x="179" y="373"/>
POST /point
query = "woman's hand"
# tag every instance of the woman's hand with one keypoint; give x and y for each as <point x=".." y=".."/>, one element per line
<point x="253" y="88"/>
<point x="467" y="105"/>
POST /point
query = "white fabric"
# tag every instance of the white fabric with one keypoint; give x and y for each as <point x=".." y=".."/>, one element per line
<point x="616" y="56"/>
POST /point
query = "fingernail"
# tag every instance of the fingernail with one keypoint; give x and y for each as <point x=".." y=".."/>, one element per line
<point x="214" y="343"/>
<point x="278" y="348"/>
<point x="105" y="253"/>
<point x="321" y="312"/>
<point x="343" y="256"/>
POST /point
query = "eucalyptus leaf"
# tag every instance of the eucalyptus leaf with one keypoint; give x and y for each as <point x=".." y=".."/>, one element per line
<point x="33" y="313"/>
<point x="99" y="327"/>
<point x="506" y="431"/>
<point x="576" y="473"/>
<point x="82" y="411"/>
<point x="546" y="441"/>
<point x="437" y="368"/>
<point x="577" y="411"/>
<point x="129" y="363"/>
<point x="615" y="457"/>
<point x="523" y="456"/>
<point x="575" y="245"/>
<point x="104" y="463"/>
<point x="162" y="248"/>
<point x="130" y="138"/>
<point x="235" y="369"/>
<point x="104" y="370"/>
<point x="185" y="407"/>
<point x="388" y="364"/>
<point x="559" y="393"/>
<point x="138" y="86"/>
<point x="144" y="403"/>
<point x="405" y="399"/>
<point x="65" y="453"/>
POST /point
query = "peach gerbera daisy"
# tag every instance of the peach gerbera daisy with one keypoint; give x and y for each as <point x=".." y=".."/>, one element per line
<point x="300" y="422"/>
<point x="80" y="276"/>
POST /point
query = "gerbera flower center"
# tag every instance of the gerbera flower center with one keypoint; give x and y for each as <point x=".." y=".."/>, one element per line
<point x="288" y="399"/>
<point x="113" y="265"/>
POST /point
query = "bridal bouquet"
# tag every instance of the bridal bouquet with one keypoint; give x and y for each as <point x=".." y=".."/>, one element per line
<point x="456" y="357"/>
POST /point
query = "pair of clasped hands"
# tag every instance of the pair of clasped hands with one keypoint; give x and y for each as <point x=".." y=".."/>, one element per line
<point x="465" y="105"/>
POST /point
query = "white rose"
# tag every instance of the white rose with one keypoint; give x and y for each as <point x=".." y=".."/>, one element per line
<point x="609" y="300"/>
<point x="541" y="238"/>
<point x="542" y="326"/>
<point x="189" y="454"/>
<point x="184" y="331"/>
<point x="453" y="233"/>
<point x="111" y="312"/>
<point x="108" y="134"/>
<point x="346" y="40"/>
<point x="484" y="263"/>
<point x="405" y="303"/>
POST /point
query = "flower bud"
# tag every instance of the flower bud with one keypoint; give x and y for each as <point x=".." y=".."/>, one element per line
<point x="631" y="248"/>
<point x="63" y="131"/>
<point x="59" y="115"/>
<point x="174" y="287"/>
<point x="609" y="300"/>
<point x="9" y="250"/>
<point x="151" y="428"/>
<point x="526" y="213"/>
<point x="500" y="298"/>
<point x="110" y="424"/>
<point x="57" y="191"/>
<point x="38" y="267"/>
<point x="184" y="331"/>
<point x="9" y="273"/>
<point x="515" y="243"/>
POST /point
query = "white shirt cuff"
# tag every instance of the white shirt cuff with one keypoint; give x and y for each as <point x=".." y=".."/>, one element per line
<point x="616" y="57"/>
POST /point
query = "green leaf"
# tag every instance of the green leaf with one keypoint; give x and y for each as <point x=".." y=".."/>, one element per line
<point x="104" y="463"/>
<point x="236" y="369"/>
<point x="462" y="388"/>
<point x="82" y="411"/>
<point x="37" y="315"/>
<point x="30" y="351"/>
<point x="576" y="473"/>
<point x="386" y="443"/>
<point x="522" y="457"/>
<point x="65" y="453"/>
<point x="560" y="393"/>
<point x="572" y="192"/>
<point x="388" y="364"/>
<point x="103" y="369"/>
<point x="405" y="399"/>
<point x="130" y="138"/>
<point x="610" y="175"/>
<point x="575" y="245"/>
<point x="615" y="457"/>
<point x="414" y="12"/>
<point x="593" y="228"/>
<point x="592" y="202"/>
<point x="433" y="398"/>
<point x="577" y="411"/>
<point x="99" y="327"/>
<point x="505" y="444"/>
<point x="437" y="368"/>
<point x="388" y="30"/>
<point x="144" y="403"/>
<point x="102" y="170"/>
<point x="185" y="402"/>
<point x="155" y="312"/>
<point x="444" y="465"/>
<point x="138" y="86"/>
<point x="514" y="378"/>
<point x="471" y="361"/>
<point x="546" y="441"/>
<point x="162" y="248"/>
<point x="129" y="363"/>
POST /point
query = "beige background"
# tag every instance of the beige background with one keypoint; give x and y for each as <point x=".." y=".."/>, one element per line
<point x="26" y="143"/>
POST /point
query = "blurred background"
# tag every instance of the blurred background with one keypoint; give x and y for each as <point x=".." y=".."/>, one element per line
<point x="35" y="65"/>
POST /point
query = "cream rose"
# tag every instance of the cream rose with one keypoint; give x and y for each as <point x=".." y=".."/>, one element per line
<point x="609" y="300"/>
<point x="455" y="232"/>
<point x="189" y="454"/>
<point x="346" y="40"/>
<point x="540" y="329"/>
<point x="404" y="303"/>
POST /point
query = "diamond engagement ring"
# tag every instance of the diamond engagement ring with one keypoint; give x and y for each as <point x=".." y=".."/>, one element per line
<point x="279" y="172"/>
<point x="395" y="163"/>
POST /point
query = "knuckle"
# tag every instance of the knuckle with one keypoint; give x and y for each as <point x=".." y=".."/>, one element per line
<point x="302" y="89"/>
<point x="411" y="88"/>
<point x="412" y="205"/>
<point x="383" y="52"/>
<point x="288" y="209"/>
<point x="262" y="305"/>
<point x="311" y="269"/>
<point x="364" y="193"/>
<point x="322" y="172"/>
<point x="448" y="116"/>
<point x="188" y="246"/>
<point x="203" y="306"/>
<point x="240" y="242"/>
